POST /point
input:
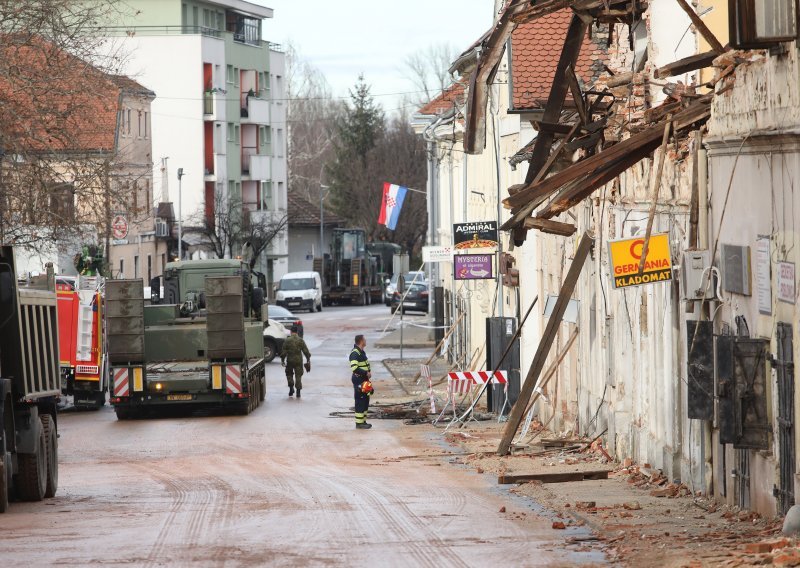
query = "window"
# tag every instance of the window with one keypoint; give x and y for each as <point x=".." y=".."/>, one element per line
<point x="266" y="195"/>
<point x="148" y="194"/>
<point x="140" y="116"/>
<point x="236" y="135"/>
<point x="264" y="132"/>
<point x="149" y="268"/>
<point x="136" y="266"/>
<point x="121" y="267"/>
<point x="184" y="15"/>
<point x="229" y="71"/>
<point x="230" y="132"/>
<point x="163" y="261"/>
<point x="128" y="122"/>
<point x="244" y="29"/>
<point x="146" y="128"/>
<point x="762" y="23"/>
<point x="61" y="201"/>
<point x="279" y="143"/>
<point x="220" y="21"/>
<point x="135" y="198"/>
<point x="195" y="17"/>
<point x="235" y="76"/>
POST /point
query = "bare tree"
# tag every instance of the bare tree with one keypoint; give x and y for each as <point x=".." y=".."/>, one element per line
<point x="57" y="156"/>
<point x="311" y="114"/>
<point x="427" y="70"/>
<point x="233" y="229"/>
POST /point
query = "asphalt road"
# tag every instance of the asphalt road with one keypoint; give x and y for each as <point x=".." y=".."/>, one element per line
<point x="286" y="486"/>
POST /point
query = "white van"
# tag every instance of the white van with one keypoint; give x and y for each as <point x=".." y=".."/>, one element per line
<point x="300" y="291"/>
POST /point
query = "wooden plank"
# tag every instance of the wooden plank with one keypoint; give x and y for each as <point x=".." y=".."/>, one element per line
<point x="701" y="27"/>
<point x="649" y="137"/>
<point x="694" y="207"/>
<point x="553" y="477"/>
<point x="687" y="64"/>
<point x="656" y="190"/>
<point x="577" y="95"/>
<point x="550" y="226"/>
<point x="549" y="335"/>
<point x="620" y="80"/>
<point x="553" y="127"/>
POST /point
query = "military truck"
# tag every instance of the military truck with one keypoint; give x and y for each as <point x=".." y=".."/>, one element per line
<point x="29" y="384"/>
<point x="201" y="344"/>
<point x="350" y="274"/>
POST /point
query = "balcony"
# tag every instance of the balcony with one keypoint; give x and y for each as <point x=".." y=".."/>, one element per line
<point x="254" y="110"/>
<point x="216" y="169"/>
<point x="208" y="103"/>
<point x="255" y="166"/>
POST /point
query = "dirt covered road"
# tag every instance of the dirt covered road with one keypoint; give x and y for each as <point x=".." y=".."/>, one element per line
<point x="286" y="486"/>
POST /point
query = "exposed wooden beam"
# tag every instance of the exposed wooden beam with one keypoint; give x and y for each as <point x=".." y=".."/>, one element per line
<point x="656" y="191"/>
<point x="550" y="226"/>
<point x="549" y="335"/>
<point x="577" y="94"/>
<point x="701" y="27"/>
<point x="687" y="64"/>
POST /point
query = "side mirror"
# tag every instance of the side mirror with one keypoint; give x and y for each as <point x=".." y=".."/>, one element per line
<point x="257" y="300"/>
<point x="155" y="290"/>
<point x="387" y="281"/>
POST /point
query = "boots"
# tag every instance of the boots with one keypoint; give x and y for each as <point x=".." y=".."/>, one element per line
<point x="291" y="391"/>
<point x="363" y="426"/>
<point x="298" y="393"/>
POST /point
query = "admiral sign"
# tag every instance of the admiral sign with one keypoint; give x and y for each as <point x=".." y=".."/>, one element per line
<point x="478" y="234"/>
<point x="625" y="256"/>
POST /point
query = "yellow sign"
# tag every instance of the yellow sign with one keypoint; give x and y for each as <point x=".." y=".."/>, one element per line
<point x="625" y="256"/>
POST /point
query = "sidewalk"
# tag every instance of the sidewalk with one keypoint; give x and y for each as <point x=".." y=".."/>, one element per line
<point x="413" y="338"/>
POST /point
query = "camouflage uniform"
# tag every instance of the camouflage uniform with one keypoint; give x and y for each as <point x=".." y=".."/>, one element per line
<point x="292" y="354"/>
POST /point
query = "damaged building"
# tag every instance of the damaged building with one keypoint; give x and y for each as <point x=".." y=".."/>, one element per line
<point x="661" y="132"/>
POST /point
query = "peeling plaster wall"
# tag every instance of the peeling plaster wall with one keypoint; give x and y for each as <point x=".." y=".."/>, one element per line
<point x="754" y="169"/>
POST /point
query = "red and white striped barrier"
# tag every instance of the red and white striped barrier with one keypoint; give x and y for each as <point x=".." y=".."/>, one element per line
<point x="425" y="371"/>
<point x="480" y="377"/>
<point x="233" y="379"/>
<point x="121" y="385"/>
<point x="463" y="383"/>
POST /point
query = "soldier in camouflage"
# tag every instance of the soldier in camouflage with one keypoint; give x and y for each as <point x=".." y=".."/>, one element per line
<point x="292" y="358"/>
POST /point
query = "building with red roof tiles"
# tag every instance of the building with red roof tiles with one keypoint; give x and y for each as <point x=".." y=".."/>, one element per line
<point x="79" y="161"/>
<point x="535" y="50"/>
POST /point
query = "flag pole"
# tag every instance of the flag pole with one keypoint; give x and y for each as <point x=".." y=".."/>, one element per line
<point x="417" y="191"/>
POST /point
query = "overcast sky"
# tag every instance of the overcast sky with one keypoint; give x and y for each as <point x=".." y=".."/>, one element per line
<point x="346" y="37"/>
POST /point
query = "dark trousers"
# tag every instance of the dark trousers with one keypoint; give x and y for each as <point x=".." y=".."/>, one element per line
<point x="362" y="405"/>
<point x="294" y="376"/>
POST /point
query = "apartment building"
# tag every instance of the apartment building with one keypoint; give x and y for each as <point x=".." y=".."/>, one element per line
<point x="221" y="119"/>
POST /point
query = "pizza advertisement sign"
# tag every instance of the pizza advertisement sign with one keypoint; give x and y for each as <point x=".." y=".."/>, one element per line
<point x="475" y="235"/>
<point x="626" y="255"/>
<point x="473" y="267"/>
<point x="119" y="227"/>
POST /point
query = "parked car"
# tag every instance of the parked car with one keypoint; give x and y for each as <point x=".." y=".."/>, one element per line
<point x="301" y="291"/>
<point x="391" y="285"/>
<point x="274" y="336"/>
<point x="285" y="318"/>
<point x="415" y="301"/>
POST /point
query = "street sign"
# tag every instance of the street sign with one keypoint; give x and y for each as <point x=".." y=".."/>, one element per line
<point x="625" y="255"/>
<point x="437" y="254"/>
<point x="472" y="267"/>
<point x="119" y="227"/>
<point x="786" y="280"/>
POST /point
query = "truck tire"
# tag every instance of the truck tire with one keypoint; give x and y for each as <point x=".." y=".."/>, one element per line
<point x="124" y="413"/>
<point x="99" y="400"/>
<point x="3" y="478"/>
<point x="51" y="436"/>
<point x="32" y="477"/>
<point x="270" y="350"/>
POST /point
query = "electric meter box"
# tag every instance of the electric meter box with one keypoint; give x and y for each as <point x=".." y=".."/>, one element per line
<point x="697" y="279"/>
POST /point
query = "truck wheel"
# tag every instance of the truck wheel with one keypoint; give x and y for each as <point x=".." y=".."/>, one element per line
<point x="33" y="471"/>
<point x="270" y="350"/>
<point x="51" y="437"/>
<point x="319" y="307"/>
<point x="124" y="413"/>
<point x="3" y="478"/>
<point x="99" y="400"/>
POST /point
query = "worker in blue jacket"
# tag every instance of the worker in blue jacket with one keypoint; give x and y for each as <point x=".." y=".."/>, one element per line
<point x="362" y="386"/>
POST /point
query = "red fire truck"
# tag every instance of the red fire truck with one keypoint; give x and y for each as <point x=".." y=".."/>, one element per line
<point x="81" y="341"/>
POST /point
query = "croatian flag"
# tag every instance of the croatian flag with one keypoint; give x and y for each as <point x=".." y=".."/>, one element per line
<point x="393" y="196"/>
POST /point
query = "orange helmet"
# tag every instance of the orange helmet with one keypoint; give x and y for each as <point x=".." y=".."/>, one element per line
<point x="366" y="387"/>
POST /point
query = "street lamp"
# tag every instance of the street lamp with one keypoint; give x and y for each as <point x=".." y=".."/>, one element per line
<point x="322" y="190"/>
<point x="180" y="221"/>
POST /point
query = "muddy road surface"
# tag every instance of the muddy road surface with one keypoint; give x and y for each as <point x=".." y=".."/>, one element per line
<point x="286" y="486"/>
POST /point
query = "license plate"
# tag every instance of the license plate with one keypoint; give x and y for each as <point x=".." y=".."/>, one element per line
<point x="179" y="397"/>
<point x="294" y="303"/>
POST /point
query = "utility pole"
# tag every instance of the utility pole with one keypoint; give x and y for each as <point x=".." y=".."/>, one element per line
<point x="2" y="200"/>
<point x="322" y="190"/>
<point x="180" y="220"/>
